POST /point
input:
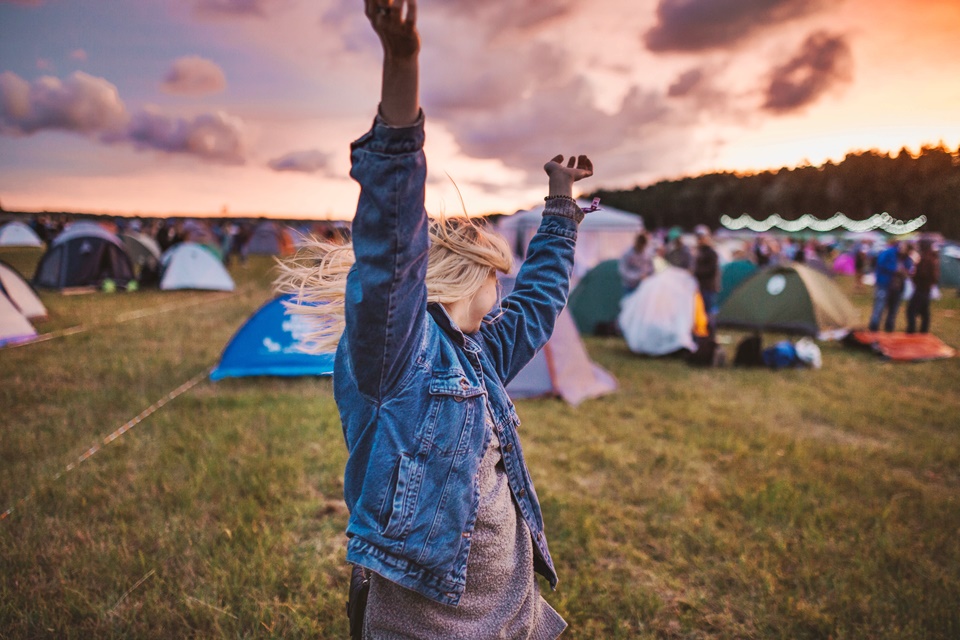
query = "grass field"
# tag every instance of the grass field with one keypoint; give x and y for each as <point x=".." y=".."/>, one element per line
<point x="693" y="503"/>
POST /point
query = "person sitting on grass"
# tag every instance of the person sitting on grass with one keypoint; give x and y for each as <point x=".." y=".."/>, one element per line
<point x="442" y="508"/>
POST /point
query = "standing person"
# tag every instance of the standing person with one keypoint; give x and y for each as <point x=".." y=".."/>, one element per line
<point x="893" y="267"/>
<point x="442" y="508"/>
<point x="926" y="275"/>
<point x="636" y="264"/>
<point x="677" y="253"/>
<point x="706" y="269"/>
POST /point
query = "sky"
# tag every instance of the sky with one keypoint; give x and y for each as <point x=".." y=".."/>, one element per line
<point x="248" y="107"/>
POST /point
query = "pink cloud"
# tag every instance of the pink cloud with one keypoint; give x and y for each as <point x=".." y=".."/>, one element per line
<point x="215" y="137"/>
<point x="309" y="161"/>
<point x="79" y="55"/>
<point x="193" y="75"/>
<point x="823" y="61"/>
<point x="81" y="103"/>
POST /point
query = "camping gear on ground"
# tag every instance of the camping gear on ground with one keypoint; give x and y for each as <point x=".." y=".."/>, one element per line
<point x="271" y="238"/>
<point x="732" y="275"/>
<point x="188" y="265"/>
<point x="902" y="347"/>
<point x="604" y="234"/>
<point x="83" y="255"/>
<point x="18" y="234"/>
<point x="266" y="345"/>
<point x="595" y="301"/>
<point x="780" y="356"/>
<point x="658" y="317"/>
<point x="562" y="368"/>
<point x="808" y="352"/>
<point x="950" y="267"/>
<point x="789" y="298"/>
<point x="20" y="293"/>
<point x="14" y="327"/>
<point x="749" y="352"/>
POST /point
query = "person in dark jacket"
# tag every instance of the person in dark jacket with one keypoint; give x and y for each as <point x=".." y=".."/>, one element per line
<point x="926" y="275"/>
<point x="706" y="269"/>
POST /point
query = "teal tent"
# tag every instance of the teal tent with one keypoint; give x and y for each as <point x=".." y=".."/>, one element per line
<point x="950" y="267"/>
<point x="731" y="275"/>
<point x="595" y="301"/>
<point x="789" y="298"/>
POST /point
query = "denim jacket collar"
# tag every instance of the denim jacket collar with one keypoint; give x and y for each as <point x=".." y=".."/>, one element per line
<point x="439" y="314"/>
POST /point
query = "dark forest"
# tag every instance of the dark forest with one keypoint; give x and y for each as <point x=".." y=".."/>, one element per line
<point x="862" y="184"/>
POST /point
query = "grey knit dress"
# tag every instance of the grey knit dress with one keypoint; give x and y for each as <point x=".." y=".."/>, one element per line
<point x="502" y="598"/>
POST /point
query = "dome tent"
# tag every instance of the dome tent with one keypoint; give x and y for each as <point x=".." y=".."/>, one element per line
<point x="19" y="292"/>
<point x="188" y="265"/>
<point x="14" y="327"/>
<point x="595" y="301"/>
<point x="18" y="234"/>
<point x="266" y="345"/>
<point x="658" y="318"/>
<point x="562" y="367"/>
<point x="83" y="255"/>
<point x="789" y="298"/>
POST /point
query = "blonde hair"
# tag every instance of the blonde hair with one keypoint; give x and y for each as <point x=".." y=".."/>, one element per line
<point x="463" y="253"/>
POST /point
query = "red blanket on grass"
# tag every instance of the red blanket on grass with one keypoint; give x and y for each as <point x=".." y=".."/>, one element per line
<point x="905" y="347"/>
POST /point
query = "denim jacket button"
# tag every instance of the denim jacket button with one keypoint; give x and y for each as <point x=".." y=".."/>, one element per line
<point x="458" y="398"/>
<point x="464" y="383"/>
<point x="508" y="447"/>
<point x="522" y="492"/>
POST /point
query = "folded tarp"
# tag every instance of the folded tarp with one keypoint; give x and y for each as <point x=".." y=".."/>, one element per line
<point x="904" y="347"/>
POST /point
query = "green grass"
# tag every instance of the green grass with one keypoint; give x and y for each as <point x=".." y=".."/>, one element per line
<point x="693" y="503"/>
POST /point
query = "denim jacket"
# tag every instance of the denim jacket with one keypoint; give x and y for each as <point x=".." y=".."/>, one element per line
<point x="412" y="389"/>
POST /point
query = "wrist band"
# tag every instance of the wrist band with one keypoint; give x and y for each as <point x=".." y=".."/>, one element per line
<point x="564" y="207"/>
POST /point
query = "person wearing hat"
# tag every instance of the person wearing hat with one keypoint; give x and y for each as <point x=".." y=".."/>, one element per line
<point x="706" y="269"/>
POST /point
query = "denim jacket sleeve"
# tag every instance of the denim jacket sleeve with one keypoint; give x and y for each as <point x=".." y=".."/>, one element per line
<point x="539" y="295"/>
<point x="386" y="294"/>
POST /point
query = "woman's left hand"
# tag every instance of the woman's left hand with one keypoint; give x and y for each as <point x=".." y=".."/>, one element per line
<point x="562" y="177"/>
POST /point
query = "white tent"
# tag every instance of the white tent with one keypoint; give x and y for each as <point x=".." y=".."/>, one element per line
<point x="603" y="235"/>
<point x="188" y="265"/>
<point x="14" y="327"/>
<point x="658" y="317"/>
<point x="17" y="234"/>
<point x="562" y="368"/>
<point x="21" y="294"/>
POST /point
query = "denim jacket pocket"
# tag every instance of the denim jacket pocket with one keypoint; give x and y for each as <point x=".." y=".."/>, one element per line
<point x="399" y="502"/>
<point x="454" y="403"/>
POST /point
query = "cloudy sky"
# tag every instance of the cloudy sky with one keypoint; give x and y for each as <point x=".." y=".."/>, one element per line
<point x="249" y="106"/>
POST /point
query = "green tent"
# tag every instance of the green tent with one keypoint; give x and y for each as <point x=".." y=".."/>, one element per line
<point x="950" y="267"/>
<point x="732" y="275"/>
<point x="595" y="301"/>
<point x="789" y="298"/>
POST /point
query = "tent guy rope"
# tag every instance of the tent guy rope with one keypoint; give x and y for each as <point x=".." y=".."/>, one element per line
<point x="130" y="424"/>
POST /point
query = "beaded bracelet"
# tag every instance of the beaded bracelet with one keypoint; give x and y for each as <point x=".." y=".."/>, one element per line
<point x="558" y="197"/>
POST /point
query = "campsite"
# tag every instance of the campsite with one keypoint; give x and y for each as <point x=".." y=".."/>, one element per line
<point x="145" y="500"/>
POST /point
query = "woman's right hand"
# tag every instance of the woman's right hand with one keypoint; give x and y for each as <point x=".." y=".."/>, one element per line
<point x="395" y="22"/>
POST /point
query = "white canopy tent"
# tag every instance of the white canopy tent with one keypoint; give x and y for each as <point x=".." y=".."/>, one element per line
<point x="604" y="234"/>
<point x="18" y="234"/>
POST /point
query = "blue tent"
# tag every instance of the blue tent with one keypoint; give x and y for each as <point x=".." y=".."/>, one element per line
<point x="266" y="346"/>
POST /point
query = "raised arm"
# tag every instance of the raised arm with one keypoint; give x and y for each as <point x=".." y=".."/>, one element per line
<point x="386" y="291"/>
<point x="395" y="23"/>
<point x="543" y="283"/>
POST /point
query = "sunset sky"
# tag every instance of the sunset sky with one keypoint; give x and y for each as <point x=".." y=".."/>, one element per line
<point x="196" y="106"/>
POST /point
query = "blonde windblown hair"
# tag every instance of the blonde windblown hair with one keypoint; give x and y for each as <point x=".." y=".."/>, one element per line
<point x="462" y="254"/>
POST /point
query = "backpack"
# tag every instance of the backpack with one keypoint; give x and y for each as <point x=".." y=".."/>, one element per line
<point x="749" y="352"/>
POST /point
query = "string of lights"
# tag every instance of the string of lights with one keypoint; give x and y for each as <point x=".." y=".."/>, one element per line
<point x="882" y="221"/>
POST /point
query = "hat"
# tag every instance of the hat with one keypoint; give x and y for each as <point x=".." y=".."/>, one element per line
<point x="701" y="230"/>
<point x="674" y="233"/>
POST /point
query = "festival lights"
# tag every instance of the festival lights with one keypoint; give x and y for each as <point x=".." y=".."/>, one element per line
<point x="883" y="221"/>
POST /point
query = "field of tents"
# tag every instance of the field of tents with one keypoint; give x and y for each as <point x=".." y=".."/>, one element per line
<point x="143" y="497"/>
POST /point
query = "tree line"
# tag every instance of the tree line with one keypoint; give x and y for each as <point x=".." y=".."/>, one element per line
<point x="862" y="184"/>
